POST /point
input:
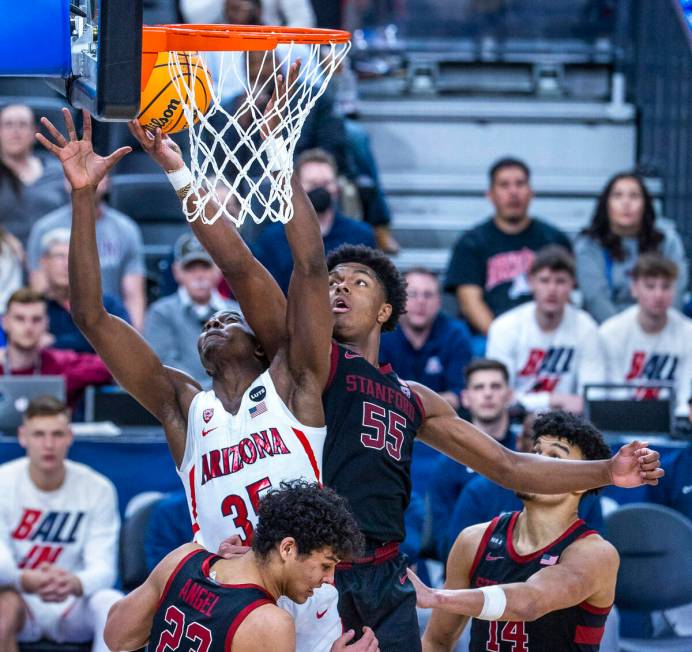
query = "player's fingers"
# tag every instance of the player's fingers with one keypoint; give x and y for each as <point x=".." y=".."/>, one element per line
<point x="158" y="138"/>
<point x="54" y="131"/>
<point x="69" y="123"/>
<point x="86" y="125"/>
<point x="655" y="474"/>
<point x="143" y="137"/>
<point x="650" y="461"/>
<point x="117" y="155"/>
<point x="54" y="149"/>
<point x="645" y="452"/>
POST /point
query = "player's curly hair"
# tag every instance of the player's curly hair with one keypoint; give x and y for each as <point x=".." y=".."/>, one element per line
<point x="392" y="280"/>
<point x="315" y="516"/>
<point x="576" y="430"/>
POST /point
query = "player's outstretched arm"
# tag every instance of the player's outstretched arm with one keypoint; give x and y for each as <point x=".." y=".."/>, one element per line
<point x="130" y="618"/>
<point x="261" y="299"/>
<point x="444" y="627"/>
<point x="164" y="392"/>
<point x="587" y="572"/>
<point x="632" y="466"/>
<point x="309" y="316"/>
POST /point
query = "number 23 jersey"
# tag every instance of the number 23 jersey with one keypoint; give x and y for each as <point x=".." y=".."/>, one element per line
<point x="231" y="460"/>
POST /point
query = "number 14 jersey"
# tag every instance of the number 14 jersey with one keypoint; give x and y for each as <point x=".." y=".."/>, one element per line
<point x="230" y="460"/>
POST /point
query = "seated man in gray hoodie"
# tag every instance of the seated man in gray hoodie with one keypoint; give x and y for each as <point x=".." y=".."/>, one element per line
<point x="172" y="324"/>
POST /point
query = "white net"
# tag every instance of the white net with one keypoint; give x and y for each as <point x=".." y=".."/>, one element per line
<point x="232" y="167"/>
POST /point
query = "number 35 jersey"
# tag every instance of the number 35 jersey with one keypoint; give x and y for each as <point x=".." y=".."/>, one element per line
<point x="231" y="460"/>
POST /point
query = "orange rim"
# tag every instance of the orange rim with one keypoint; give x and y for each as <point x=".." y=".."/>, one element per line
<point x="209" y="38"/>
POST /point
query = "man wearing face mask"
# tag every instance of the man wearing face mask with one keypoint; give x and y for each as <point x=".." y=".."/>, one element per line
<point x="316" y="170"/>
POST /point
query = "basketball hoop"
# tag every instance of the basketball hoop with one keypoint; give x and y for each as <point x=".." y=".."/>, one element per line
<point x="235" y="172"/>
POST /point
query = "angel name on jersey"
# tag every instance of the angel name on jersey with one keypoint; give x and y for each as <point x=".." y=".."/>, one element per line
<point x="547" y="365"/>
<point x="51" y="527"/>
<point x="221" y="462"/>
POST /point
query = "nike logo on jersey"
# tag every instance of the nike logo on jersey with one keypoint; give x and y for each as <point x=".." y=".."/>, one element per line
<point x="402" y="579"/>
<point x="320" y="614"/>
<point x="349" y="356"/>
<point x="491" y="557"/>
<point x="206" y="431"/>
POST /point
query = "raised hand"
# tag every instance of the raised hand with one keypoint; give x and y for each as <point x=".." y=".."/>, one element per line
<point x="232" y="547"/>
<point x="426" y="598"/>
<point x="634" y="465"/>
<point x="273" y="112"/>
<point x="161" y="148"/>
<point x="82" y="166"/>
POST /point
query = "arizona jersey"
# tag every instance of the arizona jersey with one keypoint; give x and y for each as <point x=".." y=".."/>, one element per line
<point x="197" y="613"/>
<point x="230" y="460"/>
<point x="575" y="629"/>
<point x="372" y="420"/>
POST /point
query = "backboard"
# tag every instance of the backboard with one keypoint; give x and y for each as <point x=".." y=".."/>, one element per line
<point x="89" y="50"/>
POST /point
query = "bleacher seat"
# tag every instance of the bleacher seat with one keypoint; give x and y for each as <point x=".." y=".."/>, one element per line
<point x="655" y="566"/>
<point x="132" y="562"/>
<point x="151" y="202"/>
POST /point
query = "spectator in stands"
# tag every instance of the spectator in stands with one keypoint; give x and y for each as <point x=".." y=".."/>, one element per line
<point x="120" y="247"/>
<point x="316" y="171"/>
<point x="487" y="397"/>
<point x="293" y="13"/>
<point x="481" y="500"/>
<point x="64" y="334"/>
<point x="11" y="271"/>
<point x="490" y="262"/>
<point x="173" y="324"/>
<point x="59" y="528"/>
<point x="551" y="348"/>
<point x="30" y="186"/>
<point x="430" y="348"/>
<point x="26" y="325"/>
<point x="169" y="526"/>
<point x="650" y="341"/>
<point x="623" y="227"/>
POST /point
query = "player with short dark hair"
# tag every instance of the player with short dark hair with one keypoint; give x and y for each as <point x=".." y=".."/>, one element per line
<point x="195" y="596"/>
<point x="536" y="580"/>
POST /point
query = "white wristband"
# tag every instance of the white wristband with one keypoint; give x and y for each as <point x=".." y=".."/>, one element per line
<point x="277" y="153"/>
<point x="180" y="178"/>
<point x="494" y="603"/>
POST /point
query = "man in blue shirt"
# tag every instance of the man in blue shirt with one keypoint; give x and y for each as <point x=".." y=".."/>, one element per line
<point x="430" y="348"/>
<point x="486" y="397"/>
<point x="317" y="173"/>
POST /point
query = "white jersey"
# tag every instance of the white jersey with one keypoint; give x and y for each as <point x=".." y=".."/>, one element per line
<point x="636" y="356"/>
<point x="231" y="460"/>
<point x="539" y="362"/>
<point x="74" y="527"/>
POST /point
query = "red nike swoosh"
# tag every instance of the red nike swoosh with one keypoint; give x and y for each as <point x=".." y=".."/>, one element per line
<point x="402" y="579"/>
<point x="320" y="614"/>
<point x="350" y="356"/>
<point x="490" y="557"/>
<point x="206" y="432"/>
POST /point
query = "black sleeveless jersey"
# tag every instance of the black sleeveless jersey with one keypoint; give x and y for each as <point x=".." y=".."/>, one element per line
<point x="372" y="419"/>
<point x="195" y="614"/>
<point x="575" y="629"/>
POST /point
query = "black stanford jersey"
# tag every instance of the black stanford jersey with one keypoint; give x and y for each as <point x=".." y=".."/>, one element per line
<point x="575" y="629"/>
<point x="196" y="614"/>
<point x="372" y="419"/>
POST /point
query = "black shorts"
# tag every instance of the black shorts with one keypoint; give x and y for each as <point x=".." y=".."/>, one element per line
<point x="378" y="593"/>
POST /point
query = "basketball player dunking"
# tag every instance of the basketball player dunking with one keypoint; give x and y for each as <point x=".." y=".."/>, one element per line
<point x="536" y="580"/>
<point x="194" y="600"/>
<point x="372" y="418"/>
<point x="260" y="424"/>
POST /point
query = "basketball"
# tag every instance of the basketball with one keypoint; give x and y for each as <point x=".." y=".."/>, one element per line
<point x="162" y="104"/>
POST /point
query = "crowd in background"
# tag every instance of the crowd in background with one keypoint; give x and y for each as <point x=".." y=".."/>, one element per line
<point x="539" y="315"/>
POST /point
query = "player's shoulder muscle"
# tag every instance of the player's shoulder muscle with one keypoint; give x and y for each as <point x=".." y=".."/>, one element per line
<point x="462" y="554"/>
<point x="267" y="628"/>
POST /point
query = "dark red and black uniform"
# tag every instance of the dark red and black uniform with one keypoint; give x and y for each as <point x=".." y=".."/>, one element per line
<point x="575" y="629"/>
<point x="372" y="420"/>
<point x="195" y="613"/>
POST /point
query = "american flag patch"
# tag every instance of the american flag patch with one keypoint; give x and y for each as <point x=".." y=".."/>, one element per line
<point x="258" y="409"/>
<point x="549" y="560"/>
